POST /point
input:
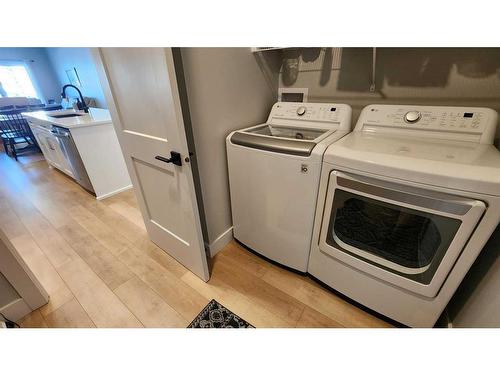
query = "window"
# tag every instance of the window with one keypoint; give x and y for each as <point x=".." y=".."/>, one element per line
<point x="15" y="80"/>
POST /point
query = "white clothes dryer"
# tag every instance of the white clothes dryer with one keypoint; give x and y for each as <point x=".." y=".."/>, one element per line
<point x="406" y="203"/>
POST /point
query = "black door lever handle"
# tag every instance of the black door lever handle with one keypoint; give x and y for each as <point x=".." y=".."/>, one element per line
<point x="175" y="158"/>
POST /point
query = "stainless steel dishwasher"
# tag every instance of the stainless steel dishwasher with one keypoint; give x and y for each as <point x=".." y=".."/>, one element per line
<point x="72" y="156"/>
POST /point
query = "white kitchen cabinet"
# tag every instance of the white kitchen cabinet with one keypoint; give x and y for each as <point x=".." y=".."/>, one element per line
<point x="42" y="142"/>
<point x="89" y="152"/>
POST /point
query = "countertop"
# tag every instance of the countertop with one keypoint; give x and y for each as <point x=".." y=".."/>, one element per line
<point x="96" y="116"/>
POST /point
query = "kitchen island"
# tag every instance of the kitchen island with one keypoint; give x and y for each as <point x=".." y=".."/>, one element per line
<point x="84" y="146"/>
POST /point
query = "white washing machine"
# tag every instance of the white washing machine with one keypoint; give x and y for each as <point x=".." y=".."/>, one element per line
<point x="274" y="171"/>
<point x="406" y="203"/>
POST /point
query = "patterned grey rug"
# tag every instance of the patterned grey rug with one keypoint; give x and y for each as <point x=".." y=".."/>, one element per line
<point x="214" y="315"/>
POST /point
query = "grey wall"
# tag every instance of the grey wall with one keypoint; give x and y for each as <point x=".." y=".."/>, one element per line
<point x="227" y="90"/>
<point x="62" y="59"/>
<point x="427" y="76"/>
<point x="39" y="67"/>
<point x="7" y="293"/>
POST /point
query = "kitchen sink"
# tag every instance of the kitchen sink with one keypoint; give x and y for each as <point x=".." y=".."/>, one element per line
<point x="66" y="115"/>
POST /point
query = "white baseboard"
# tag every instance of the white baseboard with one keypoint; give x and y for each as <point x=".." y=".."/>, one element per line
<point x="15" y="310"/>
<point x="221" y="241"/>
<point x="107" y="195"/>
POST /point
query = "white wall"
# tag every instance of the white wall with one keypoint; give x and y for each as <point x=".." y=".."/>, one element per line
<point x="39" y="68"/>
<point x="227" y="90"/>
<point x="63" y="59"/>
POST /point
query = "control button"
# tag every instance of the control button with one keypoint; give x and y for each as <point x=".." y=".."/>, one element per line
<point x="412" y="116"/>
<point x="301" y="110"/>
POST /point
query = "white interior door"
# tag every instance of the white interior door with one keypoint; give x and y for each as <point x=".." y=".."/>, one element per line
<point x="142" y="95"/>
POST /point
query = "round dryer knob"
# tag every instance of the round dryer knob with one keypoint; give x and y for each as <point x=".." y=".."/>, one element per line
<point x="301" y="110"/>
<point x="412" y="116"/>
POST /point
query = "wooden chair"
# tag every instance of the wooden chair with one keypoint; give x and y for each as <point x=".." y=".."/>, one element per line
<point x="51" y="108"/>
<point x="16" y="131"/>
<point x="36" y="107"/>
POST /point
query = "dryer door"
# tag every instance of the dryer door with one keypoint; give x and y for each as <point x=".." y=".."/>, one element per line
<point x="408" y="236"/>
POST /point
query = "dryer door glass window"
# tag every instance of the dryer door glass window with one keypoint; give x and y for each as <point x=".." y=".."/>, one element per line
<point x="403" y="240"/>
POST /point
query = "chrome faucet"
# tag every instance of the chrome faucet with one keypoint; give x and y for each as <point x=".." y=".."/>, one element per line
<point x="80" y="102"/>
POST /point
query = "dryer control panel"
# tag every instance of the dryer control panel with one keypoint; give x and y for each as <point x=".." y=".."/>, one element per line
<point x="454" y="123"/>
<point x="318" y="113"/>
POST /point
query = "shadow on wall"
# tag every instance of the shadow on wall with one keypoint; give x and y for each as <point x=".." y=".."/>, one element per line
<point x="270" y="67"/>
<point x="408" y="67"/>
<point x="421" y="76"/>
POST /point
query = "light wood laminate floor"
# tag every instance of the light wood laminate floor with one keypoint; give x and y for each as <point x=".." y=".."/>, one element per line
<point x="95" y="260"/>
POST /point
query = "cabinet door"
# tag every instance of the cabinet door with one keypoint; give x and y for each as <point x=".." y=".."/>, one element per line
<point x="52" y="151"/>
<point x="40" y="137"/>
<point x="53" y="155"/>
<point x="40" y="141"/>
<point x="59" y="154"/>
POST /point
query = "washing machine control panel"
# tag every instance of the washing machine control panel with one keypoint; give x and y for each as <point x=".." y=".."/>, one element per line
<point x="412" y="116"/>
<point x="460" y="123"/>
<point x="301" y="110"/>
<point x="314" y="112"/>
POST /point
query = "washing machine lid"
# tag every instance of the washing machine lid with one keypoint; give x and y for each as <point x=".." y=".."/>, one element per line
<point x="292" y="140"/>
<point x="467" y="166"/>
<point x="288" y="132"/>
<point x="297" y="128"/>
